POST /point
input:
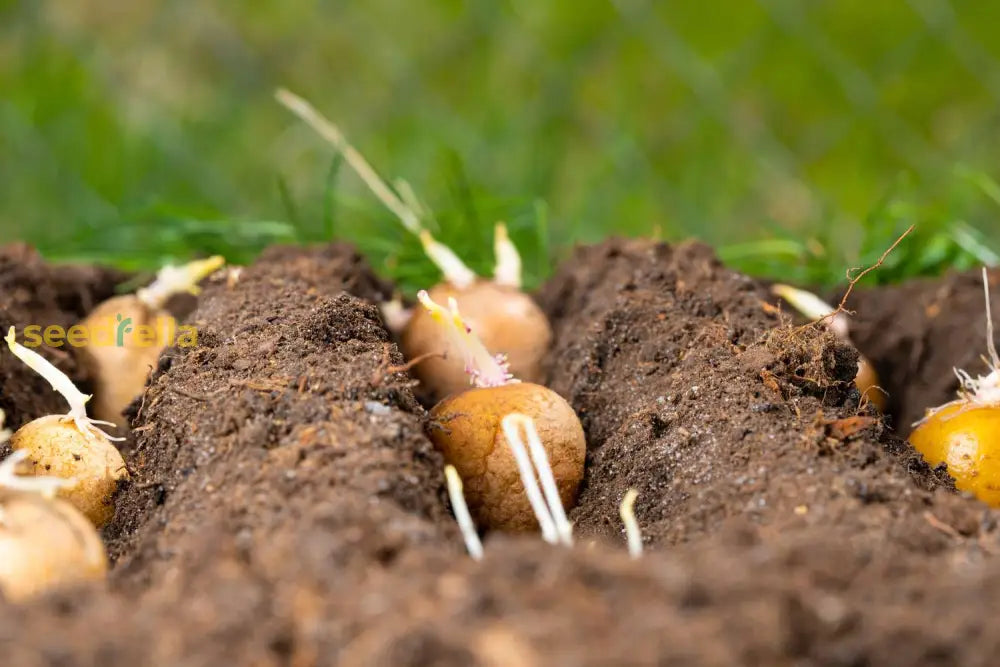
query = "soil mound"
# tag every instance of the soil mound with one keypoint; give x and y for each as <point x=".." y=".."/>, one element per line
<point x="287" y="509"/>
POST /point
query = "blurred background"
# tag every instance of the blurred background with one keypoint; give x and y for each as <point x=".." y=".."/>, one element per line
<point x="799" y="137"/>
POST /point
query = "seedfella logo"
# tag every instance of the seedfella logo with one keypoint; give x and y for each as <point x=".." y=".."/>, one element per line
<point x="113" y="332"/>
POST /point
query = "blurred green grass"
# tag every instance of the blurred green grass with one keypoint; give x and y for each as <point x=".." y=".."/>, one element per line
<point x="799" y="138"/>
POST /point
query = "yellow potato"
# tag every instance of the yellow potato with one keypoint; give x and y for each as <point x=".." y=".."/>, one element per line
<point x="507" y="320"/>
<point x="966" y="438"/>
<point x="45" y="545"/>
<point x="466" y="428"/>
<point x="119" y="372"/>
<point x="57" y="448"/>
<point x="867" y="383"/>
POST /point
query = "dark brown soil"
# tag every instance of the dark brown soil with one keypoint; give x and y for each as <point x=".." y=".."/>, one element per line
<point x="33" y="292"/>
<point x="286" y="508"/>
<point x="920" y="331"/>
<point x="695" y="393"/>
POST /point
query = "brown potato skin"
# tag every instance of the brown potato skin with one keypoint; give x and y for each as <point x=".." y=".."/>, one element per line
<point x="119" y="373"/>
<point x="57" y="448"/>
<point x="867" y="380"/>
<point x="466" y="429"/>
<point x="506" y="319"/>
<point x="44" y="545"/>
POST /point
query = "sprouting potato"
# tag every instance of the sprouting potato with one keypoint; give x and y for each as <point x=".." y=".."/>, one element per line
<point x="467" y="429"/>
<point x="120" y="367"/>
<point x="507" y="319"/>
<point x="45" y="543"/>
<point x="56" y="447"/>
<point x="70" y="446"/>
<point x="964" y="434"/>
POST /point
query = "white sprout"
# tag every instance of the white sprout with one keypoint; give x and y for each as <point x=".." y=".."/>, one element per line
<point x="61" y="383"/>
<point x="171" y="280"/>
<point x="40" y="484"/>
<point x="508" y="267"/>
<point x="465" y="524"/>
<point x="984" y="389"/>
<point x="632" y="532"/>
<point x="455" y="271"/>
<point x="552" y="520"/>
<point x="4" y="432"/>
<point x="813" y="307"/>
<point x="395" y="314"/>
<point x="484" y="369"/>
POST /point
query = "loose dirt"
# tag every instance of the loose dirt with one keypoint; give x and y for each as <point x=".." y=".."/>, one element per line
<point x="287" y="508"/>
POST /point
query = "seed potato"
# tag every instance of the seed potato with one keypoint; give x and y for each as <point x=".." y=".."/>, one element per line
<point x="45" y="544"/>
<point x="119" y="372"/>
<point x="507" y="320"/>
<point x="56" y="447"/>
<point x="466" y="428"/>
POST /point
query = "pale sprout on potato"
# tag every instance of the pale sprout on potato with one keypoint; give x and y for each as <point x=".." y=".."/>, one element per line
<point x="633" y="534"/>
<point x="70" y="446"/>
<point x="178" y="279"/>
<point x="479" y="367"/>
<point x="549" y="510"/>
<point x="462" y="516"/>
<point x="61" y="383"/>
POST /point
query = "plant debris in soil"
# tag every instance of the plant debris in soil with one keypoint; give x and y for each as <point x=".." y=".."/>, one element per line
<point x="287" y="508"/>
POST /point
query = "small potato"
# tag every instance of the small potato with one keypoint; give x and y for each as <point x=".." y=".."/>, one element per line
<point x="45" y="545"/>
<point x="867" y="383"/>
<point x="57" y="448"/>
<point x="128" y="333"/>
<point x="119" y="372"/>
<point x="466" y="428"/>
<point x="964" y="436"/>
<point x="507" y="320"/>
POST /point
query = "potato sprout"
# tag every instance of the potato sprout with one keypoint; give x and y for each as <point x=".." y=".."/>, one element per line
<point x="632" y="531"/>
<point x="70" y="446"/>
<point x="45" y="543"/>
<point x="815" y="308"/>
<point x="550" y="512"/>
<point x="462" y="516"/>
<point x="964" y="434"/>
<point x="43" y="485"/>
<point x="138" y="329"/>
<point x="469" y="429"/>
<point x="4" y="432"/>
<point x="479" y="367"/>
<point x="507" y="319"/>
<point x="61" y="383"/>
<point x="508" y="267"/>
